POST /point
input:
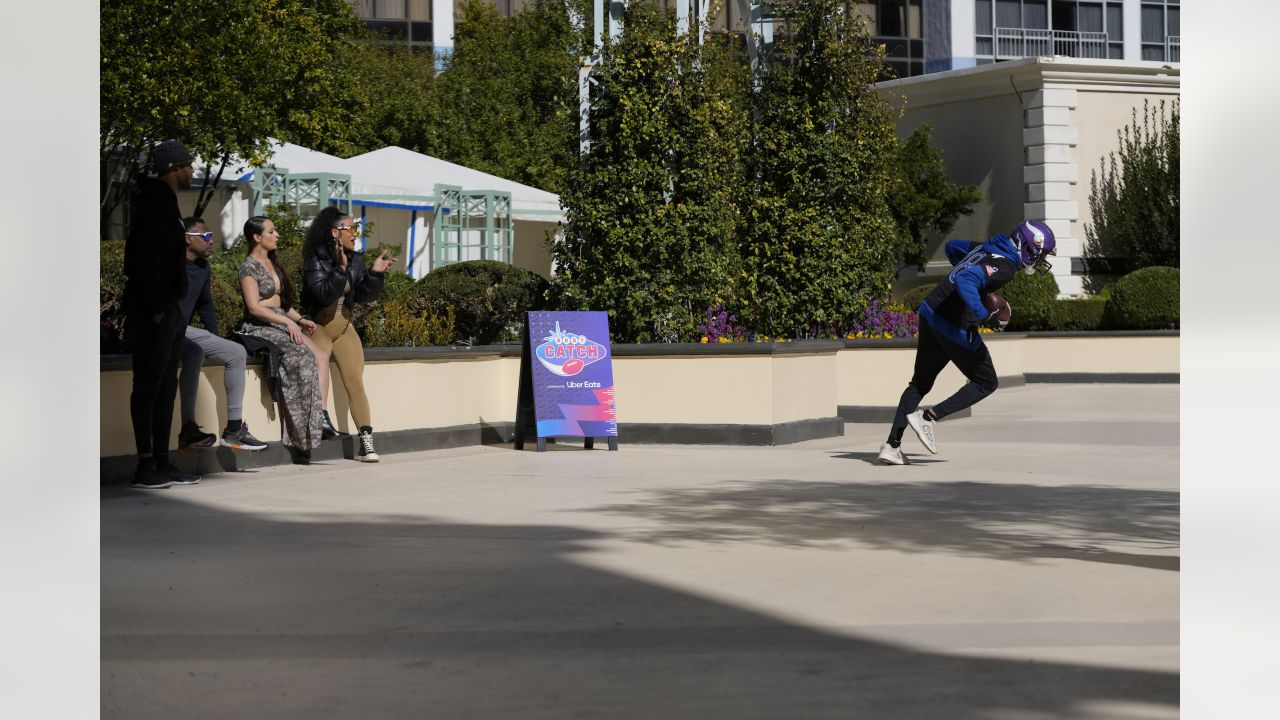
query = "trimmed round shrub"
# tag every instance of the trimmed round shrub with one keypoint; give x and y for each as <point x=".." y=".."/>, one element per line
<point x="1033" y="299"/>
<point x="1145" y="299"/>
<point x="916" y="295"/>
<point x="489" y="298"/>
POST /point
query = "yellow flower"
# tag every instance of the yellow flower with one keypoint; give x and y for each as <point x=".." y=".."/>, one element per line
<point x="704" y="339"/>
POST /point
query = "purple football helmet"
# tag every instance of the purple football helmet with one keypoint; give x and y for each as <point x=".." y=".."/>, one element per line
<point x="1035" y="244"/>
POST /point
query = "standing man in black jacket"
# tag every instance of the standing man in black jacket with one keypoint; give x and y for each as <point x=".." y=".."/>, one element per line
<point x="155" y="282"/>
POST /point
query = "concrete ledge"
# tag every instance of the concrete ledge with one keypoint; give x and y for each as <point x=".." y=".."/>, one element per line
<point x="1103" y="378"/>
<point x="119" y="468"/>
<point x="883" y="414"/>
<point x="727" y="434"/>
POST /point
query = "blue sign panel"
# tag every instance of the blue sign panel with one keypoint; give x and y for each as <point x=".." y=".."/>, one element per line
<point x="572" y="372"/>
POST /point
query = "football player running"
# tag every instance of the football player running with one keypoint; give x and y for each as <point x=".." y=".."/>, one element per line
<point x="949" y="320"/>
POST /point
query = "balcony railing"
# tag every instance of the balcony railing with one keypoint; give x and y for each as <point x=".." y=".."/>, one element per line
<point x="1030" y="42"/>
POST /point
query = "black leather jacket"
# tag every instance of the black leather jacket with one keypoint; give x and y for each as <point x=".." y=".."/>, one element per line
<point x="323" y="282"/>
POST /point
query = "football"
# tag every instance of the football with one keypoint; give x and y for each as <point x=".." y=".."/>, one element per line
<point x="993" y="301"/>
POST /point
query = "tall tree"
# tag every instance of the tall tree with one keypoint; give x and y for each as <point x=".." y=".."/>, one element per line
<point x="1134" y="196"/>
<point x="223" y="77"/>
<point x="922" y="197"/>
<point x="651" y="209"/>
<point x="402" y="110"/>
<point x="819" y="241"/>
<point x="505" y="100"/>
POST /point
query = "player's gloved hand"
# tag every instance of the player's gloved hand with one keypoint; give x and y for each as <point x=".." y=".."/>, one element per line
<point x="993" y="321"/>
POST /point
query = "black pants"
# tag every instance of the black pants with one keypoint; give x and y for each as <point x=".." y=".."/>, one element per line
<point x="933" y="352"/>
<point x="156" y="347"/>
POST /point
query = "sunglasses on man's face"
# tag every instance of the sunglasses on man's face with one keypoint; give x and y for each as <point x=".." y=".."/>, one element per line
<point x="208" y="236"/>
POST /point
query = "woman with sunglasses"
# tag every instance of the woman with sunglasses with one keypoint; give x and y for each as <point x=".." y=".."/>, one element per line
<point x="269" y="313"/>
<point x="335" y="278"/>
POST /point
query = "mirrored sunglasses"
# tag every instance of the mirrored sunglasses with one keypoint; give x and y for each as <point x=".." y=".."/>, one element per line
<point x="208" y="236"/>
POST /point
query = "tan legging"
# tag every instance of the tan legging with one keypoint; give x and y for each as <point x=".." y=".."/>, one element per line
<point x="335" y="334"/>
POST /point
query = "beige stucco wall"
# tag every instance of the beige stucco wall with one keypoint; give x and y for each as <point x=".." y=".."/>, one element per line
<point x="876" y="377"/>
<point x="1151" y="354"/>
<point x="1028" y="132"/>
<point x="802" y="387"/>
<point x="711" y="389"/>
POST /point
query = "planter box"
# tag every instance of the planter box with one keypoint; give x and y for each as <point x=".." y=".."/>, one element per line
<point x="747" y="394"/>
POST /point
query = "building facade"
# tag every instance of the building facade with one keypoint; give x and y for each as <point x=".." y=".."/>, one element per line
<point x="919" y="36"/>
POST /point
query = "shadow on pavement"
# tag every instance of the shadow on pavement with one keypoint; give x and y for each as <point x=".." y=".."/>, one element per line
<point x="207" y="613"/>
<point x="1081" y="522"/>
<point x="873" y="458"/>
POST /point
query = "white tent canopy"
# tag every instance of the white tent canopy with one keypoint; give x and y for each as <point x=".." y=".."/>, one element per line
<point x="394" y="172"/>
<point x="397" y="171"/>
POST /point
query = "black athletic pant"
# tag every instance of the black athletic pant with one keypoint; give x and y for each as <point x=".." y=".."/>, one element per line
<point x="933" y="352"/>
<point x="156" y="347"/>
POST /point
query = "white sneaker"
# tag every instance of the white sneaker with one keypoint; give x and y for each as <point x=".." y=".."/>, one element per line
<point x="890" y="455"/>
<point x="923" y="429"/>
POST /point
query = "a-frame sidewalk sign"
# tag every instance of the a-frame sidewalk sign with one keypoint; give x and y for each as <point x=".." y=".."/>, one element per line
<point x="566" y="379"/>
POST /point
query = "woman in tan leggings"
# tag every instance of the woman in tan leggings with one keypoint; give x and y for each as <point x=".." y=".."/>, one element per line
<point x="335" y="278"/>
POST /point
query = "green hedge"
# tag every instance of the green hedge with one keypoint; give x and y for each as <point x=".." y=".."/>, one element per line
<point x="1079" y="313"/>
<point x="489" y="298"/>
<point x="1145" y="299"/>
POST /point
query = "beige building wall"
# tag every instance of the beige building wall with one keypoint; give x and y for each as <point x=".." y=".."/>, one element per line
<point x="530" y="246"/>
<point x="1028" y="132"/>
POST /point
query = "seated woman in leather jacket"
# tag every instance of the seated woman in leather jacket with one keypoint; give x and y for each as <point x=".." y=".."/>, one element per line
<point x="334" y="278"/>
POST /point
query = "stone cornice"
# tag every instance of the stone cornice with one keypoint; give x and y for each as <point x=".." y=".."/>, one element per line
<point x="1028" y="75"/>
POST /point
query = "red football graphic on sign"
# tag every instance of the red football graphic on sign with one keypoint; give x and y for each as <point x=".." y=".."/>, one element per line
<point x="572" y="367"/>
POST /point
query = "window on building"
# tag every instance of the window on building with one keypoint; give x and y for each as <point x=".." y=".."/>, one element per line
<point x="1115" y="30"/>
<point x="398" y="22"/>
<point x="1161" y="31"/>
<point x="1008" y="29"/>
<point x="899" y="26"/>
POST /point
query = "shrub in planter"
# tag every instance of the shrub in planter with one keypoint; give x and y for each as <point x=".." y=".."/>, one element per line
<point x="393" y="324"/>
<point x="1145" y="299"/>
<point x="916" y="295"/>
<point x="110" y="290"/>
<point x="1034" y="300"/>
<point x="489" y="298"/>
<point x="1079" y="313"/>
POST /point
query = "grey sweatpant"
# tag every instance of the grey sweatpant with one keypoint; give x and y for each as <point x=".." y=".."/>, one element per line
<point x="196" y="346"/>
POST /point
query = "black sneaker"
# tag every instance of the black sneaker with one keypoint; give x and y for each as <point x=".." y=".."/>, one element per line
<point x="327" y="430"/>
<point x="365" y="452"/>
<point x="241" y="439"/>
<point x="150" y="479"/>
<point x="191" y="437"/>
<point x="178" y="477"/>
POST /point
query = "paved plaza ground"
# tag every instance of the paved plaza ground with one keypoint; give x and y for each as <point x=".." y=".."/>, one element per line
<point x="1028" y="571"/>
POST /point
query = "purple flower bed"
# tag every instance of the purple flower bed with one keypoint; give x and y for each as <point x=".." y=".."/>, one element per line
<point x="880" y="322"/>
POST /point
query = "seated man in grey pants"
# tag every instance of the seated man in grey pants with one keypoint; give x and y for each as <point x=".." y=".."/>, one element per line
<point x="199" y="344"/>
